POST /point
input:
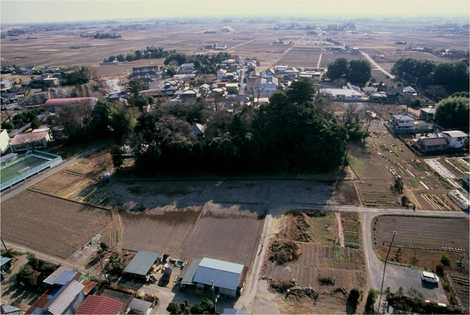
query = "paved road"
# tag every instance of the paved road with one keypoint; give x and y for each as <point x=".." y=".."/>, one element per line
<point x="396" y="276"/>
<point x="375" y="64"/>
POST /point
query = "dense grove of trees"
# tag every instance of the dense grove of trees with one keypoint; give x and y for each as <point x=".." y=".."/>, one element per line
<point x="425" y="74"/>
<point x="146" y="53"/>
<point x="76" y="76"/>
<point x="21" y="119"/>
<point x="104" y="120"/>
<point x="203" y="63"/>
<point x="357" y="72"/>
<point x="291" y="134"/>
<point x="453" y="112"/>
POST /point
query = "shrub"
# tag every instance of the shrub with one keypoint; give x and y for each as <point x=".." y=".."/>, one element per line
<point x="327" y="280"/>
<point x="353" y="301"/>
<point x="440" y="270"/>
<point x="370" y="303"/>
<point x="173" y="308"/>
<point x="445" y="260"/>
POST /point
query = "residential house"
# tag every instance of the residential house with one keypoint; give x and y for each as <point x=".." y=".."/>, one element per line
<point x="145" y="72"/>
<point x="434" y="143"/>
<point x="221" y="74"/>
<point x="68" y="299"/>
<point x="53" y="104"/>
<point x="408" y="90"/>
<point x="402" y="123"/>
<point x="36" y="139"/>
<point x="427" y="113"/>
<point x="5" y="85"/>
<point x="226" y="277"/>
<point x="187" y="68"/>
<point x="267" y="86"/>
<point x="457" y="139"/>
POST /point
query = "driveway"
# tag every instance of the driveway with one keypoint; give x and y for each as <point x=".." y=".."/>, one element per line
<point x="396" y="276"/>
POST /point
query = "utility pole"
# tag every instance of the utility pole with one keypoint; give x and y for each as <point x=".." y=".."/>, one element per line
<point x="385" y="266"/>
<point x="3" y="243"/>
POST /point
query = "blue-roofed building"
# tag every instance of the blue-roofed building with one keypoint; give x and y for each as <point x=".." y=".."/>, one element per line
<point x="61" y="276"/>
<point x="5" y="263"/>
<point x="141" y="264"/>
<point x="226" y="277"/>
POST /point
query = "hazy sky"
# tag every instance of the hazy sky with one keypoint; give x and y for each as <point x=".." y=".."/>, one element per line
<point x="19" y="11"/>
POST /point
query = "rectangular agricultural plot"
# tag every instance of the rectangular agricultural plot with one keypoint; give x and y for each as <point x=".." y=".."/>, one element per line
<point x="301" y="57"/>
<point x="231" y="238"/>
<point x="50" y="225"/>
<point x="344" y="265"/>
<point x="164" y="232"/>
<point x="423" y="233"/>
<point x="188" y="234"/>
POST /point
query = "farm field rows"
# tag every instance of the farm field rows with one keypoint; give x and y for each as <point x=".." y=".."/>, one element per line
<point x="320" y="257"/>
<point x="422" y="242"/>
<point x="50" y="225"/>
<point x="386" y="156"/>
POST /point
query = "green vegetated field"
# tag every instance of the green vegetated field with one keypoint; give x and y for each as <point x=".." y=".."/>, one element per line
<point x="20" y="166"/>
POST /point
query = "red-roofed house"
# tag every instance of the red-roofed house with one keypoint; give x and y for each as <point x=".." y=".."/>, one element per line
<point x="100" y="304"/>
<point x="53" y="103"/>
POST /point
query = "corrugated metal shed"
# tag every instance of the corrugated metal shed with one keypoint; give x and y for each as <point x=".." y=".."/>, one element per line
<point x="190" y="271"/>
<point x="61" y="276"/>
<point x="141" y="263"/>
<point x="220" y="273"/>
<point x="66" y="298"/>
<point x="4" y="260"/>
<point x="138" y="306"/>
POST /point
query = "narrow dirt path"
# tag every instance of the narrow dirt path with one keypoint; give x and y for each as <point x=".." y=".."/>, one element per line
<point x="339" y="225"/>
<point x="319" y="60"/>
<point x="248" y="295"/>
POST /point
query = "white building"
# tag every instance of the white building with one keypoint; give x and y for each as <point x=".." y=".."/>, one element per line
<point x="456" y="139"/>
<point x="344" y="94"/>
<point x="226" y="277"/>
<point x="4" y="141"/>
<point x="187" y="68"/>
<point x="267" y="86"/>
<point x="221" y="74"/>
<point x="409" y="91"/>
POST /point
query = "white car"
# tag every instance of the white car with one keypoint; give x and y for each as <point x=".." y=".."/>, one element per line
<point x="429" y="277"/>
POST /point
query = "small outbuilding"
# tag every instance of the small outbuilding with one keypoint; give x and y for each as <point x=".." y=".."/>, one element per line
<point x="141" y="264"/>
<point x="139" y="306"/>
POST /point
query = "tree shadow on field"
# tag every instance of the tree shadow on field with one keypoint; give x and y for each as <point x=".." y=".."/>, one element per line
<point x="253" y="194"/>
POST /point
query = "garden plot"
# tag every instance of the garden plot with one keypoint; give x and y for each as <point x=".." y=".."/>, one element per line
<point x="308" y="252"/>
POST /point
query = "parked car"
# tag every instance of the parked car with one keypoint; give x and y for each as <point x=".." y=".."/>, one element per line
<point x="429" y="277"/>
